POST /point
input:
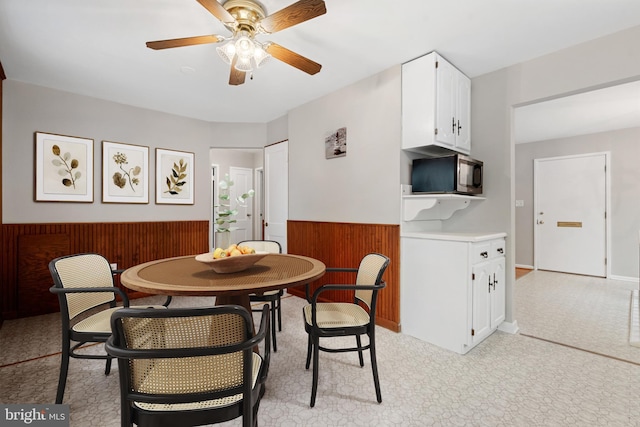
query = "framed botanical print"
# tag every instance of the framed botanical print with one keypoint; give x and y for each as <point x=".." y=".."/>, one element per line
<point x="125" y="173"/>
<point x="64" y="168"/>
<point x="174" y="177"/>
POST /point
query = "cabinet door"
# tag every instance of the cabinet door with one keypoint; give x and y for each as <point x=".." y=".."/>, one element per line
<point x="446" y="103"/>
<point x="418" y="102"/>
<point x="481" y="316"/>
<point x="497" y="292"/>
<point x="463" y="113"/>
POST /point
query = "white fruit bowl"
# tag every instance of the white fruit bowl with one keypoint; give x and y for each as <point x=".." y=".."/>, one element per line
<point x="232" y="264"/>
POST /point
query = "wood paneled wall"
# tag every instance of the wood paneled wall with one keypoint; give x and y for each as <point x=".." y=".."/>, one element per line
<point x="344" y="245"/>
<point x="28" y="248"/>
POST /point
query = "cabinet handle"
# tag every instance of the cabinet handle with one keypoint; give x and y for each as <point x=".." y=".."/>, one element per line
<point x="453" y="125"/>
<point x="494" y="283"/>
<point x="500" y="250"/>
<point x="484" y="254"/>
<point x="459" y="127"/>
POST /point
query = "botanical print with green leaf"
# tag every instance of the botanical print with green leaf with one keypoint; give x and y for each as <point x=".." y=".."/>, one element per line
<point x="64" y="167"/>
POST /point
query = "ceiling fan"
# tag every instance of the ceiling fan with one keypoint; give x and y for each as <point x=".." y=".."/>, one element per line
<point x="246" y="19"/>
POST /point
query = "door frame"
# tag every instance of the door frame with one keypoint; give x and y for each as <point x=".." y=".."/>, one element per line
<point x="607" y="220"/>
<point x="213" y="191"/>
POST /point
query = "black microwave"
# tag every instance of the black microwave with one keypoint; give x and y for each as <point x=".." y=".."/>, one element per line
<point x="457" y="174"/>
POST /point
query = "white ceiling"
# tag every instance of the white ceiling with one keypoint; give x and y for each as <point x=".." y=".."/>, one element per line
<point x="97" y="47"/>
<point x="616" y="107"/>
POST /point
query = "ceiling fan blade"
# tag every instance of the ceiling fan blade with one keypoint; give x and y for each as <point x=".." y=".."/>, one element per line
<point x="294" y="14"/>
<point x="236" y="77"/>
<point x="293" y="59"/>
<point x="187" y="41"/>
<point x="218" y="11"/>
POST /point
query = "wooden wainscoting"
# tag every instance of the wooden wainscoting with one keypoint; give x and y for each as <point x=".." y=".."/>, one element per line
<point x="28" y="248"/>
<point x="344" y="245"/>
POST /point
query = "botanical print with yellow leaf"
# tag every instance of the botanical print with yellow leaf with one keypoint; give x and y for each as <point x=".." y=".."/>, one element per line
<point x="64" y="167"/>
<point x="174" y="176"/>
<point x="177" y="178"/>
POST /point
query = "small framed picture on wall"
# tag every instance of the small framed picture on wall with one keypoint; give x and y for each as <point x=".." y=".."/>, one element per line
<point x="174" y="177"/>
<point x="63" y="168"/>
<point x="125" y="173"/>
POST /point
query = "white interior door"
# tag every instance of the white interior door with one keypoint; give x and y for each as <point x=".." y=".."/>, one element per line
<point x="258" y="204"/>
<point x="242" y="182"/>
<point x="276" y="192"/>
<point x="570" y="210"/>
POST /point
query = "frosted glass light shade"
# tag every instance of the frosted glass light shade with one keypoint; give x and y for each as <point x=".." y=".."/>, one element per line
<point x="227" y="52"/>
<point x="260" y="56"/>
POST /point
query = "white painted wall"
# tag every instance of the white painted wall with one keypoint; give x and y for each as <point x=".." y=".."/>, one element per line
<point x="364" y="185"/>
<point x="278" y="130"/>
<point x="29" y="108"/>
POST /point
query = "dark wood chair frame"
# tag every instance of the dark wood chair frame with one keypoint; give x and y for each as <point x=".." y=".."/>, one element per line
<point x="315" y="332"/>
<point x="273" y="300"/>
<point x="247" y="407"/>
<point x="81" y="338"/>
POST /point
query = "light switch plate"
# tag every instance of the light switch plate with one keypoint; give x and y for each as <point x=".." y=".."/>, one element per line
<point x="519" y="203"/>
<point x="114" y="265"/>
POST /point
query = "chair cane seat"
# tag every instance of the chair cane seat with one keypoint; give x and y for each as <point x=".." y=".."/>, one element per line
<point x="165" y="373"/>
<point x="337" y="315"/>
<point x="100" y="322"/>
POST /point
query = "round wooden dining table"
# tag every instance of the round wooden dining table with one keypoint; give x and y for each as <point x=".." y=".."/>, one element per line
<point x="186" y="276"/>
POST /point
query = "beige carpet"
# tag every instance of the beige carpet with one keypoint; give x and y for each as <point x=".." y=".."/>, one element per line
<point x="585" y="312"/>
<point x="507" y="380"/>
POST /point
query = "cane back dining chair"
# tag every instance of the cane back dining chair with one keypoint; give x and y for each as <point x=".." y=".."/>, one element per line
<point x="271" y="297"/>
<point x="189" y="366"/>
<point x="87" y="297"/>
<point x="339" y="319"/>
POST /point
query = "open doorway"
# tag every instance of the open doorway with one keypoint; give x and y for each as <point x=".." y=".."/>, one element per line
<point x="227" y="161"/>
<point x="594" y="121"/>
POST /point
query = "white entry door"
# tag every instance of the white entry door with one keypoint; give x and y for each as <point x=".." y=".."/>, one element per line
<point x="242" y="182"/>
<point x="276" y="192"/>
<point x="570" y="212"/>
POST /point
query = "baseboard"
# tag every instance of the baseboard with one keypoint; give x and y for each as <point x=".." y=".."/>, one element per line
<point x="624" y="278"/>
<point x="634" y="319"/>
<point x="509" y="327"/>
<point x="528" y="267"/>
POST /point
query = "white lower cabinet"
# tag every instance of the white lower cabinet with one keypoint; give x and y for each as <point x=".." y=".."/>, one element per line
<point x="452" y="287"/>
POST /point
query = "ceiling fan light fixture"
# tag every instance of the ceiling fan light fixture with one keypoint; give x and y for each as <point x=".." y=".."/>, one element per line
<point x="260" y="56"/>
<point x="227" y="51"/>
<point x="244" y="47"/>
<point x="243" y="64"/>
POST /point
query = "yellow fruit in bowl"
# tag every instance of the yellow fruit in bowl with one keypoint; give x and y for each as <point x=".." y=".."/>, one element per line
<point x="235" y="252"/>
<point x="247" y="250"/>
<point x="219" y="253"/>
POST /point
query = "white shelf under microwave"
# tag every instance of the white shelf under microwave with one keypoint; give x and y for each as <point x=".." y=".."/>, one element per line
<point x="425" y="207"/>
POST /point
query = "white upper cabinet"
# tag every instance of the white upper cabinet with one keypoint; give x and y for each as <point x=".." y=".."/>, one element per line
<point x="436" y="106"/>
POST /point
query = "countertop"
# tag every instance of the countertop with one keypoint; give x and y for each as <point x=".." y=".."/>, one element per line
<point x="458" y="237"/>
